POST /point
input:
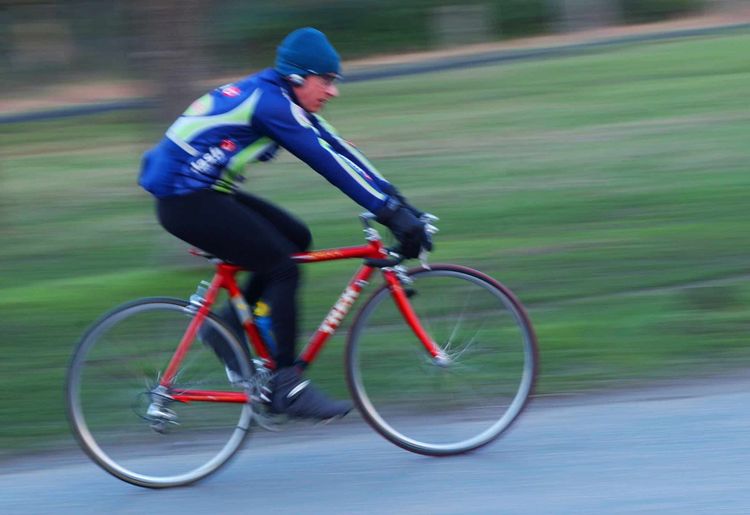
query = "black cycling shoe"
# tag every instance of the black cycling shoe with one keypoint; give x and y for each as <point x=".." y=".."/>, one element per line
<point x="295" y="396"/>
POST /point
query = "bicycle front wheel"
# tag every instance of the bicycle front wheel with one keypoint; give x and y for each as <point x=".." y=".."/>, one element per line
<point x="134" y="428"/>
<point x="468" y="399"/>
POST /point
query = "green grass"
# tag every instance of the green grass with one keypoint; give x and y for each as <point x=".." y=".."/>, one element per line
<point x="607" y="190"/>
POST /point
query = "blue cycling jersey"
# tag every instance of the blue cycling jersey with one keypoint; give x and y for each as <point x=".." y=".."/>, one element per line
<point x="246" y="121"/>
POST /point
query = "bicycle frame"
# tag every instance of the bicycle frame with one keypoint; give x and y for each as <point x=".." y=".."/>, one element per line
<point x="224" y="278"/>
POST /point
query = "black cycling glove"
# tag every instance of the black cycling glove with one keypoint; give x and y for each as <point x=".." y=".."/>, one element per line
<point x="406" y="227"/>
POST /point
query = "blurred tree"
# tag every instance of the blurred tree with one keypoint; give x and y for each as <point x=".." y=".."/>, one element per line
<point x="573" y="15"/>
<point x="169" y="51"/>
<point x="644" y="11"/>
<point x="461" y="24"/>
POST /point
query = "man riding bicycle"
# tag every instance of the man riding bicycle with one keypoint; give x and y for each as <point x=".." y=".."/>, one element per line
<point x="194" y="170"/>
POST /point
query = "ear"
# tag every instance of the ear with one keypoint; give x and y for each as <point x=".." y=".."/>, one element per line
<point x="296" y="80"/>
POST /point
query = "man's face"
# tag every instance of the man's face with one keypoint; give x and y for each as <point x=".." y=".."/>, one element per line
<point x="316" y="91"/>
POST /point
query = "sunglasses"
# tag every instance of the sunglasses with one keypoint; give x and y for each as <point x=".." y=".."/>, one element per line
<point x="329" y="79"/>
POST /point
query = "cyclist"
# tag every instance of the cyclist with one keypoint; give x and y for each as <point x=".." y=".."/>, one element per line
<point x="194" y="170"/>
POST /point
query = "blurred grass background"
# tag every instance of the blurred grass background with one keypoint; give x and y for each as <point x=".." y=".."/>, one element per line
<point x="605" y="189"/>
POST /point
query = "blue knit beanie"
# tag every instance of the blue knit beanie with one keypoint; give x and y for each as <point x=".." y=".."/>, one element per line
<point x="307" y="51"/>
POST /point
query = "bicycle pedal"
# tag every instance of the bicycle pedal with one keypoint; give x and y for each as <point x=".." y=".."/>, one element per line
<point x="157" y="412"/>
<point x="161" y="425"/>
<point x="273" y="422"/>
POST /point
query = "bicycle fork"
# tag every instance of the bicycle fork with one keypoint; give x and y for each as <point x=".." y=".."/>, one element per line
<point x="396" y="278"/>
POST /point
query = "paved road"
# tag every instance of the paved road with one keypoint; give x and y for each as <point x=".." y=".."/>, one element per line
<point x="674" y="450"/>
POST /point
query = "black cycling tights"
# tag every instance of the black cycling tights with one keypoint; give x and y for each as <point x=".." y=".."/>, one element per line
<point x="254" y="234"/>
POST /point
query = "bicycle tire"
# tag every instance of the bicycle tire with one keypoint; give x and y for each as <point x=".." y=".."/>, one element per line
<point x="413" y="401"/>
<point x="133" y="343"/>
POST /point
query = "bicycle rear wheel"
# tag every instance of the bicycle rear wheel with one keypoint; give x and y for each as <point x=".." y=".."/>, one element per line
<point x="131" y="427"/>
<point x="443" y="408"/>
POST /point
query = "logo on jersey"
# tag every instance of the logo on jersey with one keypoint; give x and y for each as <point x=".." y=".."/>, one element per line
<point x="209" y="162"/>
<point x="228" y="145"/>
<point x="231" y="91"/>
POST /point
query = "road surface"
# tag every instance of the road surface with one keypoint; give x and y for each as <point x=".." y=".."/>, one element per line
<point x="669" y="450"/>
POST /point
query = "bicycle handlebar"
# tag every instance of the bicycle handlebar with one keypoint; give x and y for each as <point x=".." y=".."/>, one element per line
<point x="397" y="259"/>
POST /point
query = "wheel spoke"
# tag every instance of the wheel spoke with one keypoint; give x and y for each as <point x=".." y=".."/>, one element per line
<point x="466" y="347"/>
<point x="457" y="326"/>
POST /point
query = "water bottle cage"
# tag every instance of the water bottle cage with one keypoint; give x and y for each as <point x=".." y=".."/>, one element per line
<point x="198" y="298"/>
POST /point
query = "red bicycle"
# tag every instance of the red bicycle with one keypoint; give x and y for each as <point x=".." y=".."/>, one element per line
<point x="440" y="360"/>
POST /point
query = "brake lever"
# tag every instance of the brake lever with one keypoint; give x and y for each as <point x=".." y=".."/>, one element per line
<point x="423" y="255"/>
<point x="430" y="229"/>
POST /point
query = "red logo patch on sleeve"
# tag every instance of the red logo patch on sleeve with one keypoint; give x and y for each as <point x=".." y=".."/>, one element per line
<point x="228" y="145"/>
<point x="230" y="91"/>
